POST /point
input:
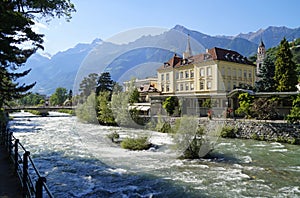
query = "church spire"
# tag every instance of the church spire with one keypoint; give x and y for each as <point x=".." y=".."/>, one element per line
<point x="261" y="53"/>
<point x="188" y="50"/>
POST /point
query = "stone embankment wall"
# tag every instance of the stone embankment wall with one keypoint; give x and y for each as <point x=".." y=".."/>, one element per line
<point x="266" y="130"/>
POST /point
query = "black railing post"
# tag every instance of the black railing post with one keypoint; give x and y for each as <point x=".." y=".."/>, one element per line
<point x="39" y="187"/>
<point x="10" y="143"/>
<point x="16" y="155"/>
<point x="25" y="172"/>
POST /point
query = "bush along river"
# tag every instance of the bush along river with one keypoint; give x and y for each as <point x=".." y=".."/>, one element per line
<point x="79" y="160"/>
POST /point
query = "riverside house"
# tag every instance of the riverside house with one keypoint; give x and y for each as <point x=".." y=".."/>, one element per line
<point x="197" y="78"/>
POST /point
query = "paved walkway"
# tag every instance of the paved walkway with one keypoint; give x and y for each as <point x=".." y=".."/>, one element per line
<point x="9" y="184"/>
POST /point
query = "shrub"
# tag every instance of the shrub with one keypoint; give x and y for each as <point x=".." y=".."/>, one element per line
<point x="190" y="139"/>
<point x="113" y="136"/>
<point x="166" y="128"/>
<point x="140" y="143"/>
<point x="228" y="132"/>
<point x="68" y="111"/>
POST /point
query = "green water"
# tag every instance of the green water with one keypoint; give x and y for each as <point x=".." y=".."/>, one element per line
<point x="80" y="161"/>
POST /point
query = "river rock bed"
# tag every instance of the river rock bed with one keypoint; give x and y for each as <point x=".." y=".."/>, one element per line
<point x="267" y="131"/>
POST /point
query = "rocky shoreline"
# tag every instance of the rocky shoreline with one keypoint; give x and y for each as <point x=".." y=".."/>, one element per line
<point x="266" y="130"/>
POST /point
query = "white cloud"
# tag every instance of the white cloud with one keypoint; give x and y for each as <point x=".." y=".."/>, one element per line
<point x="39" y="27"/>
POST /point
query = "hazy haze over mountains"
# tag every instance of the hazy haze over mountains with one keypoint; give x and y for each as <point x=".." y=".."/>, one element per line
<point x="139" y="58"/>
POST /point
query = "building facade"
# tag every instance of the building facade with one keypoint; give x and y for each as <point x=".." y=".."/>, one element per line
<point x="211" y="75"/>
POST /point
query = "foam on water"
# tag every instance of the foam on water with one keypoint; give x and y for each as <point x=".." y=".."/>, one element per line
<point x="80" y="161"/>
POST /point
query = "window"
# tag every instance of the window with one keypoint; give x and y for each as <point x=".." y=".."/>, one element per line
<point x="208" y="85"/>
<point x="192" y="73"/>
<point x="209" y="71"/>
<point x="177" y="87"/>
<point x="202" y="72"/>
<point x="229" y="72"/>
<point x="177" y="75"/>
<point x="167" y="88"/>
<point x="192" y="86"/>
<point x="162" y="77"/>
<point x="223" y="71"/>
<point x="201" y="85"/>
<point x="228" y="86"/>
<point x="186" y="86"/>
<point x="181" y="87"/>
<point x="234" y="73"/>
<point x="249" y="74"/>
<point x="240" y="73"/>
<point x="167" y="76"/>
<point x="186" y="74"/>
<point x="162" y="88"/>
<point x="181" y="75"/>
<point x="245" y="74"/>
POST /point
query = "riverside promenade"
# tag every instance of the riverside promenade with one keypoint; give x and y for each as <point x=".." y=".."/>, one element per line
<point x="9" y="184"/>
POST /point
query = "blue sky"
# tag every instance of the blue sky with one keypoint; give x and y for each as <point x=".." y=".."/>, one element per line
<point x="105" y="18"/>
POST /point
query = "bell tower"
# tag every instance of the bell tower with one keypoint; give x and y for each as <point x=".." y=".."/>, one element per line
<point x="261" y="54"/>
<point x="188" y="50"/>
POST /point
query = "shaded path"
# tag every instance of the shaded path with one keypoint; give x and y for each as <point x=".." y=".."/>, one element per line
<point x="9" y="184"/>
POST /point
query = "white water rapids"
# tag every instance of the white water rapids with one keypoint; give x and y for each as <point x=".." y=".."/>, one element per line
<point x="79" y="160"/>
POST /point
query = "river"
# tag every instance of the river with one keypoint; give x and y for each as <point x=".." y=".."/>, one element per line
<point x="78" y="160"/>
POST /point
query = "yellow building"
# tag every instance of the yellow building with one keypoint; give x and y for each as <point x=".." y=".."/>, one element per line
<point x="211" y="74"/>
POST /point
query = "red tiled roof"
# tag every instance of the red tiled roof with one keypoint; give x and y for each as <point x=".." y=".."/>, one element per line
<point x="228" y="55"/>
<point x="211" y="54"/>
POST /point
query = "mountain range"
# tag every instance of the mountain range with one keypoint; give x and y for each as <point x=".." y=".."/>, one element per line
<point x="139" y="58"/>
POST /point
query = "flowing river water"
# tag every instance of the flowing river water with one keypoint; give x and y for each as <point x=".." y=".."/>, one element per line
<point x="80" y="161"/>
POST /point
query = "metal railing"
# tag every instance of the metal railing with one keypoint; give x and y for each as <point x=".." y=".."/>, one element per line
<point x="33" y="184"/>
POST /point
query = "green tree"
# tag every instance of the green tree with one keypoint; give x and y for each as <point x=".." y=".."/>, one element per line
<point x="191" y="143"/>
<point x="285" y="68"/>
<point x="88" y="85"/>
<point x="16" y="29"/>
<point x="86" y="112"/>
<point x="32" y="99"/>
<point x="266" y="82"/>
<point x="59" y="97"/>
<point x="105" y="114"/>
<point x="265" y="108"/>
<point x="169" y="104"/>
<point x="294" y="116"/>
<point x="245" y="104"/>
<point x="104" y="83"/>
<point x="134" y="96"/>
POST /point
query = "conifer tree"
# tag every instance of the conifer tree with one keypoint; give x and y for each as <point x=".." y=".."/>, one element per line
<point x="16" y="29"/>
<point x="104" y="83"/>
<point x="285" y="69"/>
<point x="266" y="82"/>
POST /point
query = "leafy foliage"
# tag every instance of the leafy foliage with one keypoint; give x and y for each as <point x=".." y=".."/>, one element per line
<point x="113" y="136"/>
<point x="140" y="143"/>
<point x="228" y="132"/>
<point x="294" y="116"/>
<point x="105" y="114"/>
<point x="134" y="96"/>
<point x="32" y="99"/>
<point x="265" y="108"/>
<point x="245" y="103"/>
<point x="189" y="139"/>
<point x="266" y="82"/>
<point x="285" y="68"/>
<point x="169" y="104"/>
<point x="88" y="85"/>
<point x="86" y="112"/>
<point x="16" y="29"/>
<point x="59" y="97"/>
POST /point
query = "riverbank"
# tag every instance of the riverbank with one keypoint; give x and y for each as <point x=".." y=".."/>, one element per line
<point x="275" y="131"/>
